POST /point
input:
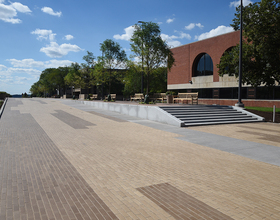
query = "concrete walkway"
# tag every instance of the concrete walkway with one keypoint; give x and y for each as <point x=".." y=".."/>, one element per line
<point x="63" y="160"/>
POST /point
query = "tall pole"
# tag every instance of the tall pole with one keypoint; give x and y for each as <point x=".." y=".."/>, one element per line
<point x="240" y="104"/>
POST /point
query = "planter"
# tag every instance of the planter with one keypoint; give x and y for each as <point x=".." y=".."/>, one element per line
<point x="169" y="99"/>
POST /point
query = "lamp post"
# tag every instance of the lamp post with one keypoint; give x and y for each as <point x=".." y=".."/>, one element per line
<point x="142" y="77"/>
<point x="240" y="104"/>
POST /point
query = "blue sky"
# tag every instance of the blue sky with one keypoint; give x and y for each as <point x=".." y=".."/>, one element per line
<point x="36" y="35"/>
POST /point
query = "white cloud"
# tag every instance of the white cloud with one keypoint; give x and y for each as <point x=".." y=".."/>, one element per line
<point x="183" y="35"/>
<point x="2" y="67"/>
<point x="57" y="63"/>
<point x="199" y="25"/>
<point x="20" y="80"/>
<point x="68" y="37"/>
<point x="9" y="12"/>
<point x="20" y="7"/>
<point x="54" y="50"/>
<point x="170" y="40"/>
<point x="26" y="71"/>
<point x="31" y="63"/>
<point x="44" y="34"/>
<point x="128" y="34"/>
<point x="170" y="20"/>
<point x="50" y="11"/>
<point x="193" y="25"/>
<point x="215" y="32"/>
<point x="190" y="26"/>
<point x="237" y="3"/>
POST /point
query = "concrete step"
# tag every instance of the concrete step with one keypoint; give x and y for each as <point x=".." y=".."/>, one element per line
<point x="209" y="115"/>
<point x="206" y="113"/>
<point x="224" y="117"/>
<point x="199" y="109"/>
<point x="220" y="122"/>
<point x="216" y="119"/>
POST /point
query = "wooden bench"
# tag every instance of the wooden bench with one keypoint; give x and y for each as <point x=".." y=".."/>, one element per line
<point x="193" y="97"/>
<point x="94" y="96"/>
<point x="137" y="96"/>
<point x="158" y="96"/>
<point x="113" y="97"/>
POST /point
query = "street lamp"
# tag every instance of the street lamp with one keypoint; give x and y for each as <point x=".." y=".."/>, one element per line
<point x="142" y="77"/>
<point x="240" y="104"/>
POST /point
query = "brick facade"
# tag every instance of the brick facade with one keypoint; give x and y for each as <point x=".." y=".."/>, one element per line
<point x="185" y="56"/>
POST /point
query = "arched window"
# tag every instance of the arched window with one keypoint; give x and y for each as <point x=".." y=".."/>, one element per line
<point x="203" y="65"/>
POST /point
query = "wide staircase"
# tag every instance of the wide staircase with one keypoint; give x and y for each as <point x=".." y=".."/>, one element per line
<point x="210" y="115"/>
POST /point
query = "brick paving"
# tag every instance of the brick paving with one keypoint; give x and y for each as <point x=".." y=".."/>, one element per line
<point x="179" y="204"/>
<point x="37" y="181"/>
<point x="58" y="162"/>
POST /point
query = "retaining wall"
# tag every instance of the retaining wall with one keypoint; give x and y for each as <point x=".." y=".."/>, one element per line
<point x="152" y="113"/>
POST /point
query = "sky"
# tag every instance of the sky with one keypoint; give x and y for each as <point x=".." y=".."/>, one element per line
<point x="36" y="35"/>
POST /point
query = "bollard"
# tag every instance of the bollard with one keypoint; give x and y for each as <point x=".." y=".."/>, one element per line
<point x="274" y="110"/>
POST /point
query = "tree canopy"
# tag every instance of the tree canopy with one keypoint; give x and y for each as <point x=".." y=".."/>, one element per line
<point x="51" y="80"/>
<point x="149" y="47"/>
<point x="261" y="45"/>
<point x="113" y="57"/>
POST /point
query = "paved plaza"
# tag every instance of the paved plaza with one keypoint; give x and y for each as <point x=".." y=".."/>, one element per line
<point x="64" y="160"/>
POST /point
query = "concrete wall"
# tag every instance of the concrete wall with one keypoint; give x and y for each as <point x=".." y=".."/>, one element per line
<point x="152" y="113"/>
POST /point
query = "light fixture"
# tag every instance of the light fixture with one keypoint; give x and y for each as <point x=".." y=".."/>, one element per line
<point x="190" y="82"/>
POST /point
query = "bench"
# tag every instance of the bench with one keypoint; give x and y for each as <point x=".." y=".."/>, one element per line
<point x="113" y="97"/>
<point x="137" y="96"/>
<point x="158" y="96"/>
<point x="193" y="97"/>
<point x="94" y="96"/>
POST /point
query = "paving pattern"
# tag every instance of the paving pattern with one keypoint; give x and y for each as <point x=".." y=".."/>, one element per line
<point x="179" y="204"/>
<point x="59" y="162"/>
<point x="37" y="181"/>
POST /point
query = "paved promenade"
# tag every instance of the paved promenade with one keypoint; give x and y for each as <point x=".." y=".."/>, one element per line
<point x="62" y="160"/>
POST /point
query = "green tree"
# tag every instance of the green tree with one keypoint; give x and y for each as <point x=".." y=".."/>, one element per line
<point x="149" y="47"/>
<point x="4" y="94"/>
<point x="75" y="76"/>
<point x="159" y="80"/>
<point x="87" y="70"/>
<point x="56" y="78"/>
<point x="46" y="82"/>
<point x="36" y="89"/>
<point x="261" y="47"/>
<point x="113" y="57"/>
<point x="132" y="78"/>
<point x="89" y="58"/>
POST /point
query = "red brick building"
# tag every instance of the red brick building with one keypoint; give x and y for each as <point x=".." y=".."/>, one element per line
<point x="195" y="70"/>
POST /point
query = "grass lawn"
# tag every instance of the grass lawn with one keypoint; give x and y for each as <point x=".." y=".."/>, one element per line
<point x="1" y="103"/>
<point x="262" y="109"/>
